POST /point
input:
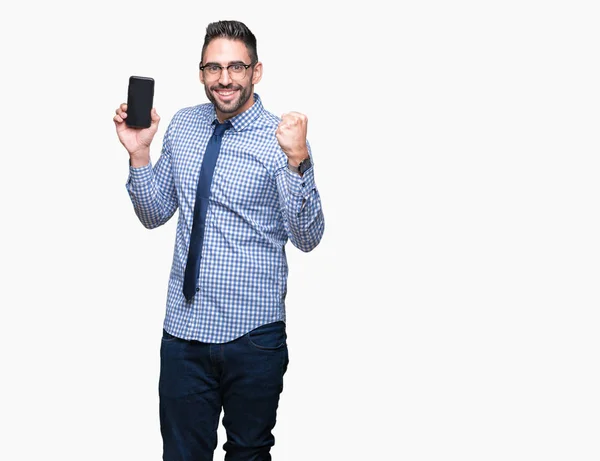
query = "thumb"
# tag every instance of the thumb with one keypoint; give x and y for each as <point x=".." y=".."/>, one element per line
<point x="155" y="118"/>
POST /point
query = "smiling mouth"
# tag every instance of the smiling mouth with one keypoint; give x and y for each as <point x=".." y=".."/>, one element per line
<point x="225" y="94"/>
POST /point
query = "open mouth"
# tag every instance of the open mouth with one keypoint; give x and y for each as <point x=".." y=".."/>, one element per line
<point x="226" y="95"/>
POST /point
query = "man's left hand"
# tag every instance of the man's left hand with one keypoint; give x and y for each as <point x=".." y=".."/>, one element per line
<point x="291" y="136"/>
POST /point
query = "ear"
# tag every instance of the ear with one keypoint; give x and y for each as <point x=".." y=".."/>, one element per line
<point x="201" y="75"/>
<point x="257" y="73"/>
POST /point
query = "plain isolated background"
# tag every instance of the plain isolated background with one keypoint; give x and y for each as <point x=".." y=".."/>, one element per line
<point x="451" y="310"/>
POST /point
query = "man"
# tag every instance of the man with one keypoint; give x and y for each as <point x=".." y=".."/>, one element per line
<point x="244" y="184"/>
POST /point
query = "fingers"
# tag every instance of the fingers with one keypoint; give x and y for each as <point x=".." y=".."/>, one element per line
<point x="294" y="118"/>
<point x="121" y="109"/>
<point x="293" y="122"/>
<point x="121" y="113"/>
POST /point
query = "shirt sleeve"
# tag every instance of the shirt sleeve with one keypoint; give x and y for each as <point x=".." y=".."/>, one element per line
<point x="301" y="206"/>
<point x="152" y="189"/>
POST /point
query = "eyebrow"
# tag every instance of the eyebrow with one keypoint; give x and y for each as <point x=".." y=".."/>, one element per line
<point x="230" y="63"/>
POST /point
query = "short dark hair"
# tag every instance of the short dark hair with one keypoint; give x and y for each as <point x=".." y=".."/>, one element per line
<point x="233" y="30"/>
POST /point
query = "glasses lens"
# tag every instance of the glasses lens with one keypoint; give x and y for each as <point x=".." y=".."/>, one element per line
<point x="212" y="71"/>
<point x="237" y="71"/>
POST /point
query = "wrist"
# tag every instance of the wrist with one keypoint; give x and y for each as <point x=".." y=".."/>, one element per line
<point x="138" y="160"/>
<point x="295" y="158"/>
<point x="301" y="166"/>
<point x="294" y="168"/>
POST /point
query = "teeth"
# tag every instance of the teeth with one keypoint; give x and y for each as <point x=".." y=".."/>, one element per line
<point x="225" y="93"/>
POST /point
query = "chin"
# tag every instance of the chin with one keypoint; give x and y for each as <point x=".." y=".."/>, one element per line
<point x="229" y="108"/>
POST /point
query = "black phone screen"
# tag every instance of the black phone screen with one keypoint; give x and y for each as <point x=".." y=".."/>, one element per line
<point x="140" y="95"/>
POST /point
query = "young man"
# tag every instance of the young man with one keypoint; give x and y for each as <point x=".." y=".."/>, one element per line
<point x="244" y="184"/>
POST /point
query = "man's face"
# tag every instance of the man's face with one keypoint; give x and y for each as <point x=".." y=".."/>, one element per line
<point x="230" y="92"/>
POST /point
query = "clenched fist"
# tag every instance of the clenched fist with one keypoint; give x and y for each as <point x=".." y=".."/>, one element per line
<point x="291" y="136"/>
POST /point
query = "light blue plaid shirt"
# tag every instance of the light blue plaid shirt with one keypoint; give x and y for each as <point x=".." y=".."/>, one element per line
<point x="256" y="204"/>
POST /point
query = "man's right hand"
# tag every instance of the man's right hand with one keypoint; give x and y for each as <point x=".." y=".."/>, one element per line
<point x="136" y="140"/>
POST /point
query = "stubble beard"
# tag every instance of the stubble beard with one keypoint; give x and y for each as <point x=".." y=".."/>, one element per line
<point x="233" y="106"/>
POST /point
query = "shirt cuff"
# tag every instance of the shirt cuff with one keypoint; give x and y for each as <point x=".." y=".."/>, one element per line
<point x="301" y="186"/>
<point x="138" y="177"/>
<point x="142" y="173"/>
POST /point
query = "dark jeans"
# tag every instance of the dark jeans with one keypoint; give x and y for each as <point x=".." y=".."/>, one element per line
<point x="244" y="377"/>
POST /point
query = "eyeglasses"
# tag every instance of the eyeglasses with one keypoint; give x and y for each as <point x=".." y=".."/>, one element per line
<point x="236" y="71"/>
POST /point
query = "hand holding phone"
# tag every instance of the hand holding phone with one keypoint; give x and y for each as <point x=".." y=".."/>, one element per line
<point x="137" y="122"/>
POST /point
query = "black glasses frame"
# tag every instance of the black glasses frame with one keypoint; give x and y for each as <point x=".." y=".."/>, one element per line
<point x="246" y="66"/>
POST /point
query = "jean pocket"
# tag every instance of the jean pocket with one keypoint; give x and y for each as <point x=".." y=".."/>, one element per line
<point x="168" y="337"/>
<point x="271" y="336"/>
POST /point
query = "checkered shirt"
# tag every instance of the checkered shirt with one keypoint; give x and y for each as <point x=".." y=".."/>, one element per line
<point x="256" y="205"/>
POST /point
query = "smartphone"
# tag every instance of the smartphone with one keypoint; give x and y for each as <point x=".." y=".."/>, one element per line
<point x="140" y="96"/>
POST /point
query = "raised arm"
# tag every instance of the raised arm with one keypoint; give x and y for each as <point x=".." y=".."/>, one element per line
<point x="299" y="197"/>
<point x="151" y="189"/>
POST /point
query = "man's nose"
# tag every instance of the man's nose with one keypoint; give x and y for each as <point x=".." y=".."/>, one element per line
<point x="224" y="79"/>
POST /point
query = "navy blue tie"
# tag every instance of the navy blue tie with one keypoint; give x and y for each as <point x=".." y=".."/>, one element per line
<point x="192" y="268"/>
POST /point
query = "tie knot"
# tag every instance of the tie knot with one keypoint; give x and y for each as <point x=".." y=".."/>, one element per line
<point x="220" y="128"/>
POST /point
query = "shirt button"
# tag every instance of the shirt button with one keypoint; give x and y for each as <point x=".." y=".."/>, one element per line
<point x="197" y="289"/>
<point x="302" y="184"/>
